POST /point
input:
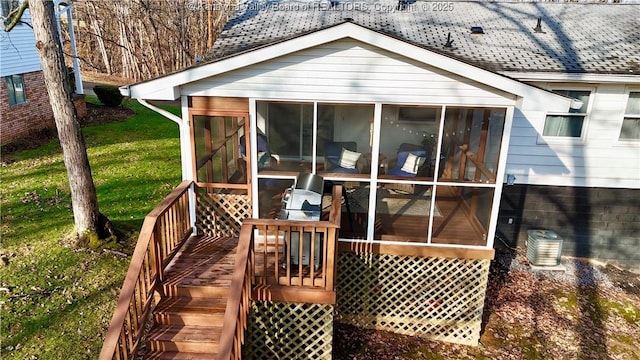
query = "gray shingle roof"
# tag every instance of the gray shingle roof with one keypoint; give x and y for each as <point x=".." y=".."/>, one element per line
<point x="576" y="37"/>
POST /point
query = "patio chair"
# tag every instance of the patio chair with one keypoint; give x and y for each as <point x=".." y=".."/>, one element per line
<point x="409" y="163"/>
<point x="341" y="157"/>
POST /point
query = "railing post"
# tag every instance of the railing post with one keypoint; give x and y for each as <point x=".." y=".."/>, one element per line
<point x="193" y="205"/>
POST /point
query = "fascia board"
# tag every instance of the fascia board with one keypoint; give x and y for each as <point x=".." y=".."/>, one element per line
<point x="578" y="78"/>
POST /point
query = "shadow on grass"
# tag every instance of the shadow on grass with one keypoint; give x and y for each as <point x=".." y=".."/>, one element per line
<point x="106" y="127"/>
<point x="30" y="328"/>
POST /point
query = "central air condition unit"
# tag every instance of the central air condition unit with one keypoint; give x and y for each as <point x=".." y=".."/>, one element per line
<point x="544" y="247"/>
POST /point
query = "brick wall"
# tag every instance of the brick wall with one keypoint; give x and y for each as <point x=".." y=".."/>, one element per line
<point x="598" y="223"/>
<point x="21" y="119"/>
<point x="18" y="121"/>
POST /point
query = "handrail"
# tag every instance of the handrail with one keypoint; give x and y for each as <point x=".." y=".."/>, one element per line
<point x="239" y="300"/>
<point x="163" y="232"/>
<point x="297" y="252"/>
<point x="244" y="275"/>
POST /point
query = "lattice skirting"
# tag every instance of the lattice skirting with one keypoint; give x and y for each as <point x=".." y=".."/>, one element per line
<point x="221" y="214"/>
<point x="436" y="298"/>
<point x="289" y="331"/>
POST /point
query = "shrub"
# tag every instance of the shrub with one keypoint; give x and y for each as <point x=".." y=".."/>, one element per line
<point x="109" y="95"/>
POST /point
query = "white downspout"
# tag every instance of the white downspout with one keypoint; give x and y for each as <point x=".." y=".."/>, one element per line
<point x="72" y="38"/>
<point x="185" y="148"/>
<point x="175" y="118"/>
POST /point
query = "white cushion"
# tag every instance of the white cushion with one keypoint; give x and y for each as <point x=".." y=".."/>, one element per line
<point x="348" y="159"/>
<point x="413" y="163"/>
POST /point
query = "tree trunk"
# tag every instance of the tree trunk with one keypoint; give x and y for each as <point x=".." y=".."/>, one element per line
<point x="96" y="29"/>
<point x="83" y="192"/>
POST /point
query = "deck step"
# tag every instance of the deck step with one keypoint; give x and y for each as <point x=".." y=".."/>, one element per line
<point x="172" y="355"/>
<point x="195" y="291"/>
<point x="184" y="338"/>
<point x="190" y="311"/>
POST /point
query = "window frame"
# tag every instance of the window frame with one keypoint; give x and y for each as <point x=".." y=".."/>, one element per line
<point x="10" y="82"/>
<point x="373" y="180"/>
<point x="571" y="140"/>
<point x="625" y="116"/>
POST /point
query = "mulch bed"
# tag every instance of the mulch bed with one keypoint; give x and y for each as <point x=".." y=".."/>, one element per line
<point x="96" y="114"/>
<point x="528" y="315"/>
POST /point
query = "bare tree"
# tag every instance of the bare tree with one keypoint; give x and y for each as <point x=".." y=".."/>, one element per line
<point x="91" y="226"/>
<point x="140" y="39"/>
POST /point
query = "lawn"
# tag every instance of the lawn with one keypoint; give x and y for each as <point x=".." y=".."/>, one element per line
<point x="57" y="301"/>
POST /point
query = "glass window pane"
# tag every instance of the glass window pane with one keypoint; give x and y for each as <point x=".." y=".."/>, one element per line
<point x="270" y="197"/>
<point x="630" y="129"/>
<point x="8" y="80"/>
<point x="402" y="212"/>
<point x="559" y="125"/>
<point x="462" y="216"/>
<point x="285" y="133"/>
<point x="18" y="87"/>
<point x="582" y="95"/>
<point x="471" y="144"/>
<point x="633" y="105"/>
<point x="218" y="151"/>
<point x="355" y="210"/>
<point x="344" y="139"/>
<point x="408" y="141"/>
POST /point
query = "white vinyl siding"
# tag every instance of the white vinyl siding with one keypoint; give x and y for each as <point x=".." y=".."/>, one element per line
<point x="18" y="53"/>
<point x="600" y="161"/>
<point x="349" y="71"/>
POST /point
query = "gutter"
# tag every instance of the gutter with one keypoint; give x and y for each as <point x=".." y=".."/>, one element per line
<point x="582" y="77"/>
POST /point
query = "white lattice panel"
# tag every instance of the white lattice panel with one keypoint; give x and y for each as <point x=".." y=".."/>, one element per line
<point x="436" y="298"/>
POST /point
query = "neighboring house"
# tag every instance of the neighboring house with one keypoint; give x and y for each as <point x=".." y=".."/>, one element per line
<point x="435" y="106"/>
<point x="24" y="102"/>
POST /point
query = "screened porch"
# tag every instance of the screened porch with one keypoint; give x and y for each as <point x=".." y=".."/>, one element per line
<point x="419" y="174"/>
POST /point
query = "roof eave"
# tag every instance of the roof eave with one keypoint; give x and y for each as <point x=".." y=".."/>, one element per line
<point x="573" y="77"/>
<point x="168" y="87"/>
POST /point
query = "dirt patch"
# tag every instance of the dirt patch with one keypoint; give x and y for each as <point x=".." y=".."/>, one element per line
<point x="585" y="312"/>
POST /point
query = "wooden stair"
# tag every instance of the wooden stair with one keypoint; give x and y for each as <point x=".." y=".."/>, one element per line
<point x="187" y="321"/>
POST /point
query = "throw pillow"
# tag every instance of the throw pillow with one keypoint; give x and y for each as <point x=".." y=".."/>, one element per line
<point x="413" y="163"/>
<point x="348" y="159"/>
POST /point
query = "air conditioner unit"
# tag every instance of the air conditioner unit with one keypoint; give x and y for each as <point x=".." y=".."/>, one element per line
<point x="544" y="247"/>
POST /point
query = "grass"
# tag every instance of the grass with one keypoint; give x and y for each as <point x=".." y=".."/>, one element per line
<point x="57" y="301"/>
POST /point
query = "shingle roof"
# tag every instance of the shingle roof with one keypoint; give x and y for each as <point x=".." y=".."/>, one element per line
<point x="576" y="37"/>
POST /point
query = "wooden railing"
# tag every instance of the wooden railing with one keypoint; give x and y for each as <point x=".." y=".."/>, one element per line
<point x="296" y="252"/>
<point x="239" y="300"/>
<point x="258" y="267"/>
<point x="164" y="231"/>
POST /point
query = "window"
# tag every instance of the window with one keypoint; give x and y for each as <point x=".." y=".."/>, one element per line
<point x="15" y="88"/>
<point x="568" y="124"/>
<point x="631" y="124"/>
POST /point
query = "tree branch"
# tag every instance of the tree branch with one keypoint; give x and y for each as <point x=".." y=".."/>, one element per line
<point x="13" y="17"/>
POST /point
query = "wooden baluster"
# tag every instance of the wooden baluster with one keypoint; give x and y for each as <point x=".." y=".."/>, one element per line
<point x="287" y="253"/>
